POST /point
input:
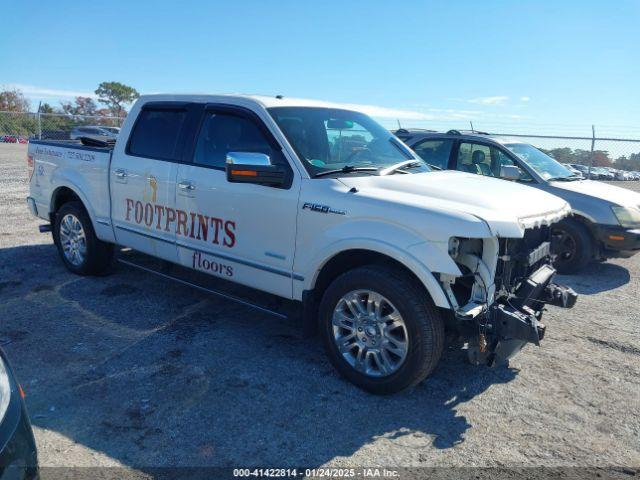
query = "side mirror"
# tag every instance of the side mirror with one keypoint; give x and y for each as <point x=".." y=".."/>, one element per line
<point x="250" y="167"/>
<point x="510" y="172"/>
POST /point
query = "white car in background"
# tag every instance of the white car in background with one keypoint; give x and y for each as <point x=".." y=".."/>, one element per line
<point x="606" y="218"/>
<point x="91" y="131"/>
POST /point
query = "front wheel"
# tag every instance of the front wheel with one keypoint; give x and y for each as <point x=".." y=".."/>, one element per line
<point x="381" y="331"/>
<point x="573" y="246"/>
<point x="79" y="248"/>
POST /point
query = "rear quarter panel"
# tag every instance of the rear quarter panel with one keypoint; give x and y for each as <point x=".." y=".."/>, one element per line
<point x="84" y="170"/>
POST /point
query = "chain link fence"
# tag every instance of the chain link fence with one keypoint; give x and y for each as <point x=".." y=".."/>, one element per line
<point x="594" y="147"/>
<point x="19" y="126"/>
<point x="601" y="158"/>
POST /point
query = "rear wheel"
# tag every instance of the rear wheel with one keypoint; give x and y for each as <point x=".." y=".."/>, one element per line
<point x="79" y="248"/>
<point x="380" y="330"/>
<point x="573" y="246"/>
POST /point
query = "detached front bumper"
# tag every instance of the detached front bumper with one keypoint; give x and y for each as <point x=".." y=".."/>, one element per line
<point x="509" y="325"/>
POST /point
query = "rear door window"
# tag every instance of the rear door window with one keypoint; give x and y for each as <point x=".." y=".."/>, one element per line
<point x="157" y="134"/>
<point x="435" y="152"/>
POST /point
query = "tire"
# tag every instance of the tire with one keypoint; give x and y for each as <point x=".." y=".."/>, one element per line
<point x="95" y="255"/>
<point x="574" y="247"/>
<point x="423" y="329"/>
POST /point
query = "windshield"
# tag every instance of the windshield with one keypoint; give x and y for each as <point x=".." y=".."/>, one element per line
<point x="328" y="139"/>
<point x="543" y="164"/>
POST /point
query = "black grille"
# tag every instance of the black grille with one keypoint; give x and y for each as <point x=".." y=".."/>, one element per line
<point x="522" y="256"/>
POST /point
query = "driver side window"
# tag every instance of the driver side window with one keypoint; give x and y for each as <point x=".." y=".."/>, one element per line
<point x="475" y="158"/>
<point x="504" y="160"/>
<point x="222" y="133"/>
<point x="485" y="160"/>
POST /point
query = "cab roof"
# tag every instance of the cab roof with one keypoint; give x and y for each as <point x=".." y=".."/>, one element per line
<point x="262" y="100"/>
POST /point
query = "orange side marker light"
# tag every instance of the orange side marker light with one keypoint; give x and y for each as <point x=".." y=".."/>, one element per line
<point x="245" y="173"/>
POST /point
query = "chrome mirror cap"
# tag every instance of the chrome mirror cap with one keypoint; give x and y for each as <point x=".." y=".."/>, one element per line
<point x="248" y="158"/>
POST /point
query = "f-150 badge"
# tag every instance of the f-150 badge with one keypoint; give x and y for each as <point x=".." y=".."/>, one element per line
<point x="316" y="207"/>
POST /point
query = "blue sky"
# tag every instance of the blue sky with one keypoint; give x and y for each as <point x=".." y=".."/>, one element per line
<point x="504" y="63"/>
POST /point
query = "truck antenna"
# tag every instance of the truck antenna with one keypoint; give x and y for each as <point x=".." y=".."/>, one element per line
<point x="399" y="126"/>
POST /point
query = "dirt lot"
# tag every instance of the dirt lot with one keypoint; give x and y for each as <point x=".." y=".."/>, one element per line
<point x="132" y="370"/>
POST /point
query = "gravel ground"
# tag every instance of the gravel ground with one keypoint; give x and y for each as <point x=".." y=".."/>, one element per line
<point x="131" y="370"/>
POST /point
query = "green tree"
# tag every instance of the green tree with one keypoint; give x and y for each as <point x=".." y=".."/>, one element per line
<point x="628" y="163"/>
<point x="601" y="158"/>
<point x="582" y="156"/>
<point x="115" y="96"/>
<point x="563" y="155"/>
<point x="46" y="108"/>
<point x="80" y="106"/>
<point x="13" y="100"/>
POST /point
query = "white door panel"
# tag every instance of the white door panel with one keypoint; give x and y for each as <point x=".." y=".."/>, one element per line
<point x="237" y="231"/>
<point x="143" y="201"/>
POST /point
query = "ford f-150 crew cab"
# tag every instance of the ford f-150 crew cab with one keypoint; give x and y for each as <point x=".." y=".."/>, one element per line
<point x="320" y="205"/>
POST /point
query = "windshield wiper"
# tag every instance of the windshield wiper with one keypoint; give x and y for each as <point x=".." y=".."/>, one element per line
<point x="398" y="166"/>
<point x="346" y="169"/>
<point x="571" y="178"/>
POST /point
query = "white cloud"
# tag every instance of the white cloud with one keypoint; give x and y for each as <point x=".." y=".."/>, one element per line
<point x="497" y="100"/>
<point x="375" y="110"/>
<point x="384" y="112"/>
<point x="455" y="114"/>
<point x="524" y="99"/>
<point x="40" y="92"/>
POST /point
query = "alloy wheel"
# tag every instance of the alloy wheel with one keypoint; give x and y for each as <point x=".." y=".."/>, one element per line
<point x="370" y="333"/>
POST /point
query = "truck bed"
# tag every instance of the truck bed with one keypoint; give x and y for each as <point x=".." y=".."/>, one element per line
<point x="59" y="165"/>
<point x="75" y="144"/>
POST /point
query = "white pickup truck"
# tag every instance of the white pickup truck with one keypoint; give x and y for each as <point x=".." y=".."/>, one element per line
<point x="322" y="206"/>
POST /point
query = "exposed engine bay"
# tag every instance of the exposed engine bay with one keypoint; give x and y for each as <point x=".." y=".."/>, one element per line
<point x="499" y="299"/>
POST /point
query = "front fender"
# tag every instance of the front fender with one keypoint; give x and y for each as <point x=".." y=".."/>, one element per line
<point x="421" y="257"/>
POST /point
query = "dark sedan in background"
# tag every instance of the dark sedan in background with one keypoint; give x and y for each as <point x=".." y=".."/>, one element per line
<point x="18" y="458"/>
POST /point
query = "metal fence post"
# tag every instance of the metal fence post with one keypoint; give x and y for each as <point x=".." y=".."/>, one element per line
<point x="593" y="143"/>
<point x="39" y="125"/>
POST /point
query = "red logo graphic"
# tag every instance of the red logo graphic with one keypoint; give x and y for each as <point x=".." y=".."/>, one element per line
<point x="187" y="224"/>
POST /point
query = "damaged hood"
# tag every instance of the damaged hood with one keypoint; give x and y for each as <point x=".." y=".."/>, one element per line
<point x="508" y="208"/>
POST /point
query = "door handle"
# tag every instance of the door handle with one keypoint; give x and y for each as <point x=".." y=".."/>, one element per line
<point x="120" y="173"/>
<point x="186" y="185"/>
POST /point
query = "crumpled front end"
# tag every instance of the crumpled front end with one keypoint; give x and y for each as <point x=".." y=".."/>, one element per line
<point x="499" y="299"/>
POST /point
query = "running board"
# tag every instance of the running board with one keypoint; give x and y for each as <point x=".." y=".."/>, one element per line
<point x="167" y="267"/>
